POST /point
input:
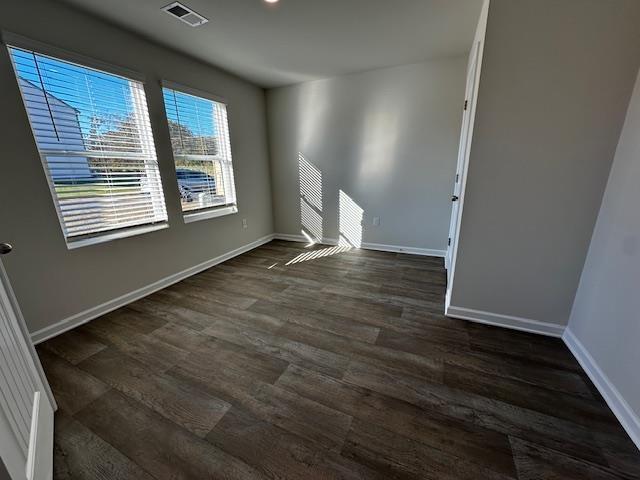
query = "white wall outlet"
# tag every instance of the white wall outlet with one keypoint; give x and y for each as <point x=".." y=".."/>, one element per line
<point x="244" y="223"/>
<point x="376" y="221"/>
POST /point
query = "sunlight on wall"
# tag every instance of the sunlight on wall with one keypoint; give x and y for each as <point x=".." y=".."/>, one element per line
<point x="349" y="221"/>
<point x="311" y="222"/>
<point x="310" y="199"/>
<point x="310" y="182"/>
<point x="350" y="214"/>
<point x="314" y="254"/>
<point x="310" y="240"/>
<point x="313" y="105"/>
<point x="379" y="139"/>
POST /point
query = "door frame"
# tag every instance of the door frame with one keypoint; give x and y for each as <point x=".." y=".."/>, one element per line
<point x="463" y="148"/>
<point x="36" y="463"/>
<point x="462" y="168"/>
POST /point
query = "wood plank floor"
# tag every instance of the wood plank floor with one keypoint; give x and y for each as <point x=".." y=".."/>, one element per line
<point x="313" y="363"/>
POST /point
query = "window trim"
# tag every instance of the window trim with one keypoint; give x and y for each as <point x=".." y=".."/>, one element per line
<point x="211" y="212"/>
<point x="10" y="40"/>
<point x="116" y="235"/>
<point x="195" y="92"/>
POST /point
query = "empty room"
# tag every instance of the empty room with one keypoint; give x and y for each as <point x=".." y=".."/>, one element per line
<point x="291" y="239"/>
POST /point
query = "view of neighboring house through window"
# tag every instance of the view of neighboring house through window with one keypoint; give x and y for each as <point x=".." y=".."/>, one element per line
<point x="201" y="150"/>
<point x="93" y="133"/>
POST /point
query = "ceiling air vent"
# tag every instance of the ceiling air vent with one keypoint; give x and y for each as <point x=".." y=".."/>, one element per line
<point x="185" y="14"/>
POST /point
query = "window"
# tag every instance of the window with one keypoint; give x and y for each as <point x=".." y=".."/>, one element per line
<point x="202" y="154"/>
<point x="93" y="133"/>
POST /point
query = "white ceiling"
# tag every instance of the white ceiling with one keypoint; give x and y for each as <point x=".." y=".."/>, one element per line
<point x="298" y="40"/>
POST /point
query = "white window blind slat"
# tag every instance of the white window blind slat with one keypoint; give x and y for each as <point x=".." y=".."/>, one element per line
<point x="94" y="136"/>
<point x="199" y="133"/>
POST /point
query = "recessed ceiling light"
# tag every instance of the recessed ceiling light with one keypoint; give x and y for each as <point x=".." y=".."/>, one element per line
<point x="272" y="1"/>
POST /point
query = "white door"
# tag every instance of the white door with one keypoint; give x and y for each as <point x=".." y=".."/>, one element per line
<point x="26" y="402"/>
<point x="463" y="149"/>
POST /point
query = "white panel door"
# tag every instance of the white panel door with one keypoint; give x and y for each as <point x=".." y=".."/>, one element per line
<point x="26" y="402"/>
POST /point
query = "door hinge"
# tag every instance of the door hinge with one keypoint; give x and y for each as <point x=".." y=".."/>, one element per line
<point x="457" y="177"/>
<point x="449" y="242"/>
<point x="466" y="104"/>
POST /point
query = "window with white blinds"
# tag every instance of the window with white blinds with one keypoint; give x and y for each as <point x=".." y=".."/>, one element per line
<point x="202" y="151"/>
<point x="94" y="137"/>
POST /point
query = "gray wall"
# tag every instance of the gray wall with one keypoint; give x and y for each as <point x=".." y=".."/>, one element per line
<point x="388" y="138"/>
<point x="605" y="313"/>
<point x="51" y="282"/>
<point x="556" y="80"/>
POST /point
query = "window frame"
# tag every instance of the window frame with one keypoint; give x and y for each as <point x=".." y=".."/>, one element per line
<point x="9" y="40"/>
<point x="206" y="212"/>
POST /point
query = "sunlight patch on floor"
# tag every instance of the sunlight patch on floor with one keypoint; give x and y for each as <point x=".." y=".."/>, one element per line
<point x="315" y="254"/>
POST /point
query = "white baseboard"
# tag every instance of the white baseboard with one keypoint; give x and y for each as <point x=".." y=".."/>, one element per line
<point x="369" y="246"/>
<point x="618" y="405"/>
<point x="506" y="321"/>
<point x="297" y="238"/>
<point x="94" y="312"/>
<point x="427" y="252"/>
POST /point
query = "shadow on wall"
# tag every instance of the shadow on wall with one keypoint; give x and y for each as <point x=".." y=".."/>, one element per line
<point x="350" y="214"/>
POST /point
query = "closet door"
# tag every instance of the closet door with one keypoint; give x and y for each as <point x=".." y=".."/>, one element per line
<point x="26" y="402"/>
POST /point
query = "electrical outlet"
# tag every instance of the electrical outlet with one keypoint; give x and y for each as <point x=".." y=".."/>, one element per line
<point x="376" y="221"/>
<point x="244" y="223"/>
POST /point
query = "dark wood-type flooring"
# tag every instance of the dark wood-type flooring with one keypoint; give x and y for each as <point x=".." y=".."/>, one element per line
<point x="338" y="365"/>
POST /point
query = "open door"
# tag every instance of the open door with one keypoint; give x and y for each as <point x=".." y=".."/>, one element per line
<point x="466" y="136"/>
<point x="26" y="402"/>
<point x="465" y="143"/>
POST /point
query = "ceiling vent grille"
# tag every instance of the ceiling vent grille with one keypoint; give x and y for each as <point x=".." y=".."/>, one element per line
<point x="185" y="14"/>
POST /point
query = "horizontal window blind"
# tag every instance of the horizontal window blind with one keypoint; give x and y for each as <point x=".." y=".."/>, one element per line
<point x="201" y="149"/>
<point x="94" y="136"/>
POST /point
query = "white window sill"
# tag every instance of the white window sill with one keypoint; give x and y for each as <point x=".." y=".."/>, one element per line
<point x="216" y="212"/>
<point x="108" y="237"/>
